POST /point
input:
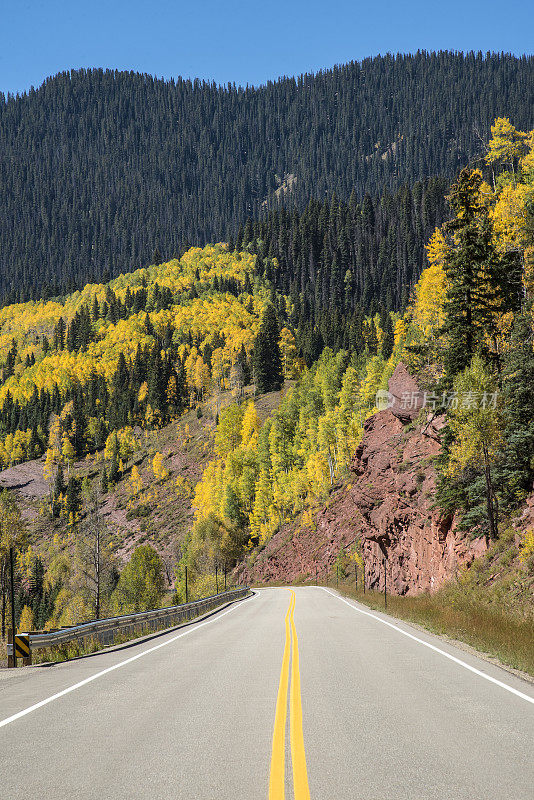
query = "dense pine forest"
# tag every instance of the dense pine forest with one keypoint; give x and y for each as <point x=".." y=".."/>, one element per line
<point x="100" y="168"/>
<point x="340" y="262"/>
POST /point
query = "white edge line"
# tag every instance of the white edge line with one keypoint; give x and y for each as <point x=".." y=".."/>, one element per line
<point x="69" y="689"/>
<point x="433" y="647"/>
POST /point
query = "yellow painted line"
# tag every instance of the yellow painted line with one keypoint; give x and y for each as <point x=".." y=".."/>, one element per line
<point x="277" y="776"/>
<point x="298" y="755"/>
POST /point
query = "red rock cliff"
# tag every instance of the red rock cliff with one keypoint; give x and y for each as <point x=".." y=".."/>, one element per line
<point x="388" y="506"/>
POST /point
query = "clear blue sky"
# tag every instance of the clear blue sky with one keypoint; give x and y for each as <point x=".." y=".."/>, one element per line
<point x="229" y="40"/>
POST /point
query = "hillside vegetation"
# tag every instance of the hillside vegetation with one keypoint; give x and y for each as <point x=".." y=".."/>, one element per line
<point x="110" y="397"/>
<point x="156" y="405"/>
<point x="467" y="333"/>
<point x="97" y="168"/>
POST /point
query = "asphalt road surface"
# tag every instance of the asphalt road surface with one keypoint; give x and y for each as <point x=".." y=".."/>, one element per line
<point x="297" y="694"/>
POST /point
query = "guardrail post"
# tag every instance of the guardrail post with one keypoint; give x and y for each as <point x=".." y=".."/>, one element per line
<point x="11" y="657"/>
<point x="13" y="622"/>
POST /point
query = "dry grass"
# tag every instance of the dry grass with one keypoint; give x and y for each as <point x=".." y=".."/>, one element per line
<point x="492" y="632"/>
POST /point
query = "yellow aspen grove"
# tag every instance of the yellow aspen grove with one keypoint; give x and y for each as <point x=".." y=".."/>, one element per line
<point x="54" y="437"/>
<point x="198" y="376"/>
<point x="67" y="450"/>
<point x="26" y="620"/>
<point x="136" y="483"/>
<point x="112" y="446"/>
<point x="506" y="145"/>
<point x="510" y="217"/>
<point x="262" y="504"/>
<point x="190" y="364"/>
<point x="127" y="442"/>
<point x="217" y="367"/>
<point x="172" y="391"/>
<point x="143" y="392"/>
<point x="49" y="466"/>
<point x="204" y="499"/>
<point x="288" y="348"/>
<point x="158" y="468"/>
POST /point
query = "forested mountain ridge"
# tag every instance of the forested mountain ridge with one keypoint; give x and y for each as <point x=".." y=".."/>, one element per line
<point x="97" y="168"/>
<point x="98" y="383"/>
<point x="342" y="262"/>
<point x="467" y="337"/>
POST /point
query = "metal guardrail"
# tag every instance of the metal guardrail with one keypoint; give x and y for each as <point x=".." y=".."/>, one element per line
<point x="104" y="630"/>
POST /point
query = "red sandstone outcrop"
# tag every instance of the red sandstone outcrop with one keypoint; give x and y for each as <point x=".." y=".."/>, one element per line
<point x="404" y="397"/>
<point x="388" y="507"/>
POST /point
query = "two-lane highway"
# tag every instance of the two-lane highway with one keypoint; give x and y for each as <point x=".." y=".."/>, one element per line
<point x="288" y="691"/>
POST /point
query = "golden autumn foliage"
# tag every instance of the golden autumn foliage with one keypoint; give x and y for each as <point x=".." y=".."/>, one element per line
<point x="158" y="468"/>
<point x="200" y="314"/>
<point x="506" y="143"/>
<point x="203" y="316"/>
<point x="510" y="217"/>
<point x="135" y="481"/>
<point x="26" y="620"/>
<point x="286" y="466"/>
<point x="299" y="452"/>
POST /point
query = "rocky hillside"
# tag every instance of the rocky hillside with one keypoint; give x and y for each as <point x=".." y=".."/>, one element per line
<point x="388" y="507"/>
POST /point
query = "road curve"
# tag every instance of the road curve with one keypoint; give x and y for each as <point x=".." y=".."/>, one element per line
<point x="367" y="710"/>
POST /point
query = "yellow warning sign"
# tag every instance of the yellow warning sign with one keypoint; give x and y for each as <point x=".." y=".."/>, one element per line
<point x="22" y="646"/>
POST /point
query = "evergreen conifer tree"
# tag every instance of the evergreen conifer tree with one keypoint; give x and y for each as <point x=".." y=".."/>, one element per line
<point x="475" y="291"/>
<point x="388" y="339"/>
<point x="267" y="358"/>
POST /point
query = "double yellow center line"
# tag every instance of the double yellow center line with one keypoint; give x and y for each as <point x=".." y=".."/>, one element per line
<point x="298" y="756"/>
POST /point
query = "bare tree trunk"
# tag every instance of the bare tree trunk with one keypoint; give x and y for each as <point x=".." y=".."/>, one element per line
<point x="4" y="576"/>
<point x="98" y="570"/>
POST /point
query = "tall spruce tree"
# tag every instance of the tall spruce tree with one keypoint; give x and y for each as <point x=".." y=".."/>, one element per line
<point x="481" y="284"/>
<point x="266" y="357"/>
<point x="389" y="339"/>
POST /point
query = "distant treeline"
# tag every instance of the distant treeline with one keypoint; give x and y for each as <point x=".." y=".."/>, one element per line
<point x="97" y="168"/>
<point x="342" y="262"/>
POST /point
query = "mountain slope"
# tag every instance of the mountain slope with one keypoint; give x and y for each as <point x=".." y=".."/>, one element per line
<point x="96" y="168"/>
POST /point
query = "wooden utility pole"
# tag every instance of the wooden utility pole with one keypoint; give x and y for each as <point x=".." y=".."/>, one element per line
<point x="13" y="625"/>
